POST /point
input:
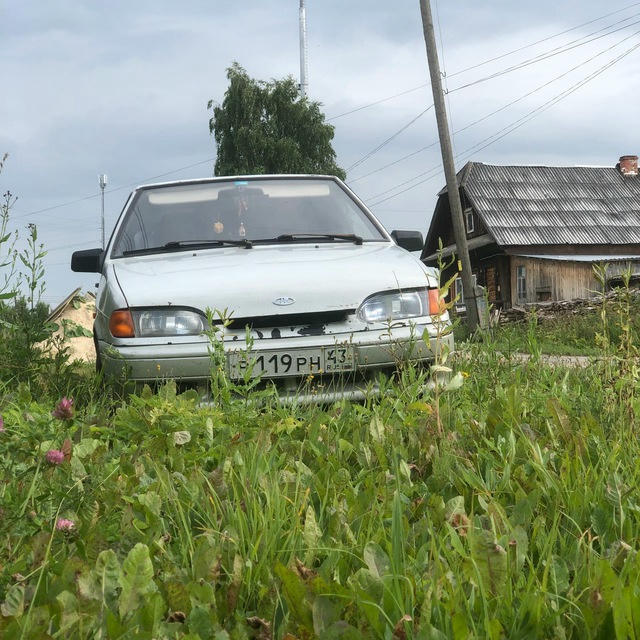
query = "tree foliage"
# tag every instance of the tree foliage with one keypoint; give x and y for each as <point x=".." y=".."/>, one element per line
<point x="266" y="127"/>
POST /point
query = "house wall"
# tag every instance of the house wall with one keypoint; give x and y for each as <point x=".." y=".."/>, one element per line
<point x="616" y="270"/>
<point x="491" y="272"/>
<point x="478" y="227"/>
<point x="494" y="276"/>
<point x="552" y="280"/>
<point x="442" y="228"/>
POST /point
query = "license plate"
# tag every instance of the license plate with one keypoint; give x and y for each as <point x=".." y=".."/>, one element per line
<point x="293" y="362"/>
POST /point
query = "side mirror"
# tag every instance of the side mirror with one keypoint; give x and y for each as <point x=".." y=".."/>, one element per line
<point x="88" y="260"/>
<point x="409" y="240"/>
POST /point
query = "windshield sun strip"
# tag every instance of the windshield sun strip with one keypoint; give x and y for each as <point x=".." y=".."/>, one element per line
<point x="135" y="195"/>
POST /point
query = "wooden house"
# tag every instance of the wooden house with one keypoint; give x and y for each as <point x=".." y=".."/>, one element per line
<point x="534" y="232"/>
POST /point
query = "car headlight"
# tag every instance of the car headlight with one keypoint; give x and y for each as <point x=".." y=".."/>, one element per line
<point x="395" y="305"/>
<point x="167" y="322"/>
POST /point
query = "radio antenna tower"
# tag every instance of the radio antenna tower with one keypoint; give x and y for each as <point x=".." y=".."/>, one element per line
<point x="304" y="67"/>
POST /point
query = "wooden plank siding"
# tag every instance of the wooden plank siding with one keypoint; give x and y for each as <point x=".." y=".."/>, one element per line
<point x="616" y="271"/>
<point x="552" y="280"/>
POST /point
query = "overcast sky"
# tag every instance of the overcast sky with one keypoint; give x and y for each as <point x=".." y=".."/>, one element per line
<point x="122" y="88"/>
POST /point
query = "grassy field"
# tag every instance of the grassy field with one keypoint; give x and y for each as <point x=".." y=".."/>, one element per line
<point x="503" y="507"/>
<point x="572" y="332"/>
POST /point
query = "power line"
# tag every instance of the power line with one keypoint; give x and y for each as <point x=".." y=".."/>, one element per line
<point x="444" y="74"/>
<point x="502" y="108"/>
<point x="544" y="56"/>
<point x="510" y="128"/>
<point x="373" y="104"/>
<point x="124" y="186"/>
<point x="390" y="164"/>
<point x="490" y="139"/>
<point x="401" y="184"/>
<point x="541" y="108"/>
<point x="533" y="44"/>
<point x="73" y="245"/>
<point x="382" y="100"/>
<point x="503" y="55"/>
<point x="547" y="105"/>
<point x="389" y="139"/>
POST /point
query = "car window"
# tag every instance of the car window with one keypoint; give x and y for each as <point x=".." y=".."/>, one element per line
<point x="251" y="209"/>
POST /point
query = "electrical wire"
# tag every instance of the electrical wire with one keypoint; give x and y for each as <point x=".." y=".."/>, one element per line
<point x="74" y="245"/>
<point x="396" y="95"/>
<point x="484" y="62"/>
<point x="390" y="164"/>
<point x="510" y="128"/>
<point x="502" y="108"/>
<point x="479" y="146"/>
<point x="388" y="140"/>
<point x="518" y="123"/>
<point x="533" y="44"/>
<point x="500" y="134"/>
<point x="542" y="57"/>
<point x="112" y="190"/>
<point x="444" y="77"/>
<point x="373" y="104"/>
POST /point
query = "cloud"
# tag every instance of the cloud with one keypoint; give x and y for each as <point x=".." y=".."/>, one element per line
<point x="122" y="88"/>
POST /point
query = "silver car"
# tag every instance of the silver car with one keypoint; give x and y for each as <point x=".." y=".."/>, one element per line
<point x="299" y="278"/>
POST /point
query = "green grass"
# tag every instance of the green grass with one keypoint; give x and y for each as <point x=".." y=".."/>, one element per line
<point x="505" y="508"/>
<point x="572" y="335"/>
<point x="568" y="333"/>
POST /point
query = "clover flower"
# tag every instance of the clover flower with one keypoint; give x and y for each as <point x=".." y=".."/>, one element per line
<point x="65" y="525"/>
<point x="64" y="409"/>
<point x="55" y="456"/>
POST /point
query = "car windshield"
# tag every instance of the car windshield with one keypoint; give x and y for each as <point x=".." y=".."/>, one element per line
<point x="216" y="212"/>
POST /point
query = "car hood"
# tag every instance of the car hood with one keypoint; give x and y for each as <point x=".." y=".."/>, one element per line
<point x="246" y="282"/>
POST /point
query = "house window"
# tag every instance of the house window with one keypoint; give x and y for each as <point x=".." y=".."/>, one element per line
<point x="468" y="214"/>
<point x="521" y="282"/>
<point x="459" y="292"/>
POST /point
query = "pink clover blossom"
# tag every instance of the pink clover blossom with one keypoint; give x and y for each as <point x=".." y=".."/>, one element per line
<point x="64" y="409"/>
<point x="55" y="456"/>
<point x="65" y="525"/>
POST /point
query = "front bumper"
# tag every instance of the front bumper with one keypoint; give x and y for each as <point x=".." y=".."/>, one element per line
<point x="191" y="360"/>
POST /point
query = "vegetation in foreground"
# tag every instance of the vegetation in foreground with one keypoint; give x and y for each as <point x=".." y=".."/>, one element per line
<point x="502" y="507"/>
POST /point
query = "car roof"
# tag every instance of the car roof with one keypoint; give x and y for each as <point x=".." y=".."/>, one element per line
<point x="271" y="176"/>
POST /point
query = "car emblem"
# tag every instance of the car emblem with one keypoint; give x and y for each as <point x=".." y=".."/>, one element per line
<point x="283" y="301"/>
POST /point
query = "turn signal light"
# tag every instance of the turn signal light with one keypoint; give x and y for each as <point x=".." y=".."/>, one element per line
<point x="121" y="324"/>
<point x="436" y="303"/>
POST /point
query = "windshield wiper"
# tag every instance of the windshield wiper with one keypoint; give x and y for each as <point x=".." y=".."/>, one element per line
<point x="292" y="237"/>
<point x="177" y="245"/>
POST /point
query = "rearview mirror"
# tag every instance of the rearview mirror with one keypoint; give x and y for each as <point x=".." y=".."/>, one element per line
<point x="88" y="260"/>
<point x="409" y="240"/>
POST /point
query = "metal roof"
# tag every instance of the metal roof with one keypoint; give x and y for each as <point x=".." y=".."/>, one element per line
<point x="533" y="205"/>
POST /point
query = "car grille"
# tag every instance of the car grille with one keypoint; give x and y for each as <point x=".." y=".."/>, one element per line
<point x="291" y="319"/>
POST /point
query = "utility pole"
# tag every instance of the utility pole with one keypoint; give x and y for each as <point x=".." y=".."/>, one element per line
<point x="462" y="248"/>
<point x="304" y="67"/>
<point x="102" y="178"/>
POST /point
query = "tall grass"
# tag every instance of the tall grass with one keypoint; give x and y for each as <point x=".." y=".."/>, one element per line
<point x="503" y="508"/>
